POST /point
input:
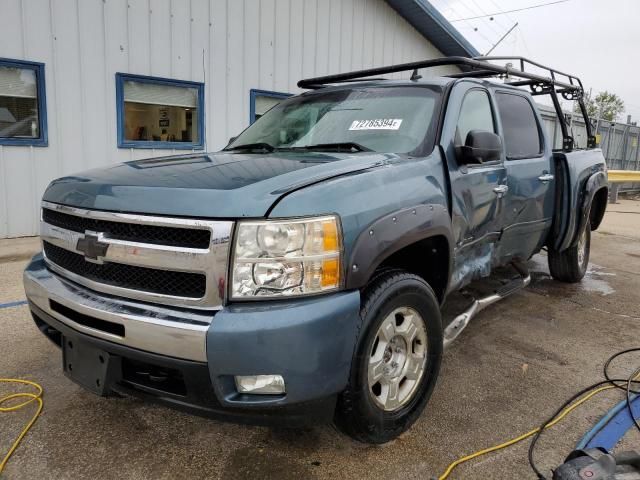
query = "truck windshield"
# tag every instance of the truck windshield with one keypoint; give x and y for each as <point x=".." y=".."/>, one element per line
<point x="385" y="119"/>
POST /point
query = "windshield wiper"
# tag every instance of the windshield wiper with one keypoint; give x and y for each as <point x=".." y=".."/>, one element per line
<point x="251" y="146"/>
<point x="339" y="146"/>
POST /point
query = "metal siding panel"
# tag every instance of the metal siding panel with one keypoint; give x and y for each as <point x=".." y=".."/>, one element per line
<point x="309" y="38"/>
<point x="200" y="57"/>
<point x="346" y="46"/>
<point x="398" y="44"/>
<point x="322" y="38"/>
<point x="160" y="38"/>
<point x="267" y="39"/>
<point x="200" y="41"/>
<point x="11" y="31"/>
<point x="47" y="163"/>
<point x="65" y="30"/>
<point x="358" y="35"/>
<point x="296" y="39"/>
<point x="281" y="44"/>
<point x="236" y="115"/>
<point x="370" y="14"/>
<point x="218" y="72"/>
<point x="93" y="87"/>
<point x="180" y="40"/>
<point x="381" y="16"/>
<point x="19" y="196"/>
<point x="16" y="162"/>
<point x="116" y="59"/>
<point x="335" y="36"/>
<point x="251" y="56"/>
<point x="16" y="174"/>
<point x="389" y="35"/>
<point x="138" y="33"/>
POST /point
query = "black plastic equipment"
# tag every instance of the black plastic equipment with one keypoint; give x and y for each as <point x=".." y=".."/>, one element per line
<point x="597" y="464"/>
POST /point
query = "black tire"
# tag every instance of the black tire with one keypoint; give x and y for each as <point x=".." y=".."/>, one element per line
<point x="571" y="264"/>
<point x="357" y="414"/>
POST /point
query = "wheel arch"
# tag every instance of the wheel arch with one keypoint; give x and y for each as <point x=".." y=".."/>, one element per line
<point x="594" y="203"/>
<point x="416" y="239"/>
<point x="598" y="207"/>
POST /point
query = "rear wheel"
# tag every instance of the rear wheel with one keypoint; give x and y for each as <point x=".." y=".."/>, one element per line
<point x="396" y="361"/>
<point x="571" y="264"/>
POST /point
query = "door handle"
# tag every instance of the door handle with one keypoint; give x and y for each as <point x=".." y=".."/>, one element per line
<point x="546" y="177"/>
<point x="500" y="190"/>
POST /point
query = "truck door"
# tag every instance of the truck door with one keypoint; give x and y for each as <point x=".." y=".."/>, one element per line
<point x="528" y="208"/>
<point x="476" y="190"/>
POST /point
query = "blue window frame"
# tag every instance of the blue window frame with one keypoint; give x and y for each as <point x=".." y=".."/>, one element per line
<point x="262" y="100"/>
<point x="157" y="112"/>
<point x="23" y="103"/>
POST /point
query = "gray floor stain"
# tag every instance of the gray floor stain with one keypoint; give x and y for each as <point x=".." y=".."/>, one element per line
<point x="257" y="463"/>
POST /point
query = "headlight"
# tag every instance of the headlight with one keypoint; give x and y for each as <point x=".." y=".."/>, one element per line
<point x="275" y="258"/>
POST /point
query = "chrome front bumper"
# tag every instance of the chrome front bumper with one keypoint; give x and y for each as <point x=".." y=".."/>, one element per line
<point x="166" y="331"/>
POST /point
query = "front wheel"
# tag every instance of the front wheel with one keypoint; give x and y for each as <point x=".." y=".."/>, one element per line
<point x="396" y="361"/>
<point x="571" y="264"/>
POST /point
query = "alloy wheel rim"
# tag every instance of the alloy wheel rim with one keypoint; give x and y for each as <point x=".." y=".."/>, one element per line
<point x="582" y="247"/>
<point x="397" y="359"/>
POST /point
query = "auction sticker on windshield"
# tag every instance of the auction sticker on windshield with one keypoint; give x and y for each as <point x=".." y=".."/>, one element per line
<point x="376" y="124"/>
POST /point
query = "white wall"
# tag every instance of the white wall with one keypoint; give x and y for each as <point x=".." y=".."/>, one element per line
<point x="236" y="45"/>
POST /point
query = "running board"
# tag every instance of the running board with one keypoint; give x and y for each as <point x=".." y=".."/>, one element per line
<point x="459" y="323"/>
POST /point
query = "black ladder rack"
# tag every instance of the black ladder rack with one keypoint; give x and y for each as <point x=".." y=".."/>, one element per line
<point x="516" y="73"/>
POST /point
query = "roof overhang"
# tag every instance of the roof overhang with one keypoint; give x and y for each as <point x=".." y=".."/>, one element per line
<point x="426" y="19"/>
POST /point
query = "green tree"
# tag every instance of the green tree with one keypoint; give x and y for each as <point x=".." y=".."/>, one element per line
<point x="605" y="105"/>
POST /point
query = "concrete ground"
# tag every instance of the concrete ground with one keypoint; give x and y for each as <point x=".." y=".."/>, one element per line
<point x="513" y="366"/>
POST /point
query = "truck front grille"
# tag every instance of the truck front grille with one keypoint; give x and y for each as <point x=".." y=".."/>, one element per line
<point x="171" y="261"/>
<point x="192" y="285"/>
<point x="155" y="235"/>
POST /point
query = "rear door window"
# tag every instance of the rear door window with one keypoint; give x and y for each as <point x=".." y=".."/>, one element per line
<point x="519" y="125"/>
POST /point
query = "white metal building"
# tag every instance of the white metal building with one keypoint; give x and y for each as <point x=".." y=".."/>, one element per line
<point x="85" y="83"/>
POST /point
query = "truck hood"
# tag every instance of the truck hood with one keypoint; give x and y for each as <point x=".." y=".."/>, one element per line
<point x="219" y="185"/>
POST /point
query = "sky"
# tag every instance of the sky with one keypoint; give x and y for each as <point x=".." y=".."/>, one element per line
<point x="596" y="40"/>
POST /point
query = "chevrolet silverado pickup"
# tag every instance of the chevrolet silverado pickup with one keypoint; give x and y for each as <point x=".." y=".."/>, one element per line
<point x="297" y="275"/>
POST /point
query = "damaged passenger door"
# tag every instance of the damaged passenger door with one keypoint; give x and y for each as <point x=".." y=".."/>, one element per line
<point x="529" y="206"/>
<point x="478" y="185"/>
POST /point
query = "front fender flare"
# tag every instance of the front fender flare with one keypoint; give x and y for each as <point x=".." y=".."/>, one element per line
<point x="389" y="234"/>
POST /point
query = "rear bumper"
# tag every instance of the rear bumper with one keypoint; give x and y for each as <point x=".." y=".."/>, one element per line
<point x="308" y="341"/>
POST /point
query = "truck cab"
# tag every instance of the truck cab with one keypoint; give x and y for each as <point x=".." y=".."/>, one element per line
<point x="297" y="275"/>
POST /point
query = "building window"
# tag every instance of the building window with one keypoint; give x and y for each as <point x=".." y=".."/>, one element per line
<point x="23" y="107"/>
<point x="262" y="101"/>
<point x="159" y="113"/>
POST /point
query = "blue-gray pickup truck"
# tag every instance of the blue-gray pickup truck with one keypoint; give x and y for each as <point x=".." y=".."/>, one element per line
<point x="297" y="275"/>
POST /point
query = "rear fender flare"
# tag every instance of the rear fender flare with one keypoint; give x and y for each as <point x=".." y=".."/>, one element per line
<point x="393" y="232"/>
<point x="595" y="183"/>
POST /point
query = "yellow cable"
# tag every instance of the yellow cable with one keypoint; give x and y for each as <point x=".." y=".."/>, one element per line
<point x="524" y="436"/>
<point x="31" y="397"/>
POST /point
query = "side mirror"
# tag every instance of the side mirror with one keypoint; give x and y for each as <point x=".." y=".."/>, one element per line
<point x="480" y="146"/>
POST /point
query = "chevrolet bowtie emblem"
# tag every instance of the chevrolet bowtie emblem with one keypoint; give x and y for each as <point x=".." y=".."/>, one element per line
<point x="92" y="248"/>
